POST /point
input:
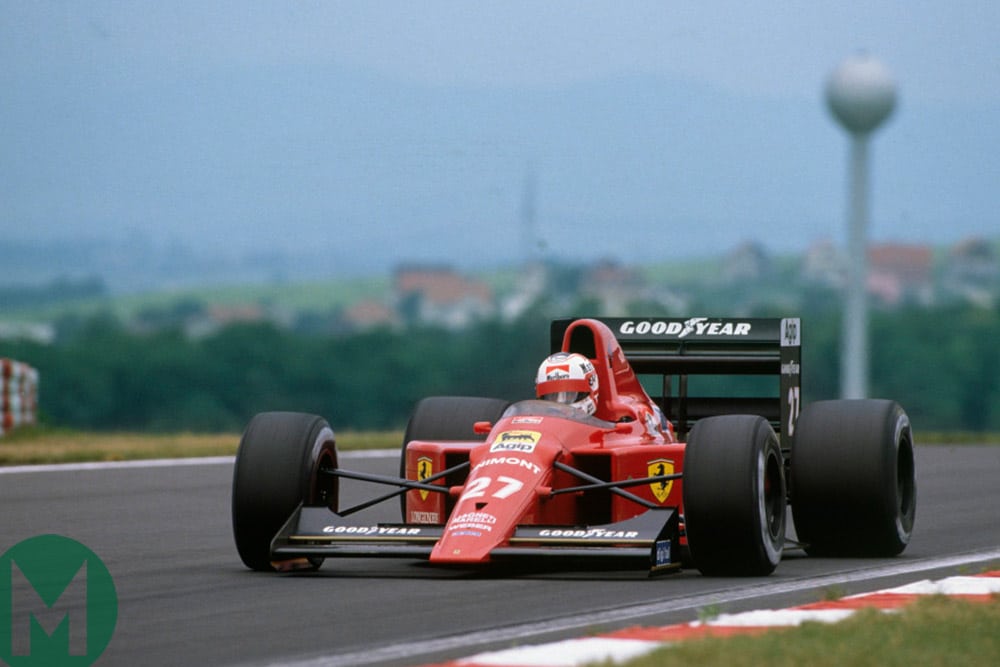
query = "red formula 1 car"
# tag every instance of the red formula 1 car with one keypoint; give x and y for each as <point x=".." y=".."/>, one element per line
<point x="701" y="473"/>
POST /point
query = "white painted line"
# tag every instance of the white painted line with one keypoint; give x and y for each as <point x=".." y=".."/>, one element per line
<point x="170" y="463"/>
<point x="115" y="465"/>
<point x="369" y="454"/>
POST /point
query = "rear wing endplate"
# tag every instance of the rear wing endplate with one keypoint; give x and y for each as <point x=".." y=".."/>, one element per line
<point x="713" y="346"/>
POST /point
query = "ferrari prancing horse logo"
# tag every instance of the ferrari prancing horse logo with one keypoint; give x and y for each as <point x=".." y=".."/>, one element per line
<point x="661" y="490"/>
<point x="425" y="468"/>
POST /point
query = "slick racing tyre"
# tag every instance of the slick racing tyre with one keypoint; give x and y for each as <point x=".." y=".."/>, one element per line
<point x="448" y="418"/>
<point x="853" y="479"/>
<point x="277" y="468"/>
<point x="734" y="496"/>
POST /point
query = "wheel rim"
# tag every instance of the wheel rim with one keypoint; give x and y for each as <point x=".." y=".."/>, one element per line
<point x="771" y="504"/>
<point x="906" y="490"/>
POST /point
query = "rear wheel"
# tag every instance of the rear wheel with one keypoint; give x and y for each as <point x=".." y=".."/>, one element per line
<point x="853" y="479"/>
<point x="734" y="496"/>
<point x="277" y="468"/>
<point x="448" y="418"/>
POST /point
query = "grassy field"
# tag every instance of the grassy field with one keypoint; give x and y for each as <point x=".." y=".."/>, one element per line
<point x="937" y="630"/>
<point x="43" y="445"/>
<point x="319" y="296"/>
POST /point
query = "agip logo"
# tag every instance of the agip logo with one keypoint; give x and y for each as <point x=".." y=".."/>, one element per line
<point x="58" y="604"/>
<point x="516" y="441"/>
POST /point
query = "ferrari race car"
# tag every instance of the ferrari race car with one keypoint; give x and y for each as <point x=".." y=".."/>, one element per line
<point x="700" y="473"/>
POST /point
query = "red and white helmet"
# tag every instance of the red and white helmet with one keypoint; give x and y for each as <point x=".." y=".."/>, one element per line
<point x="570" y="378"/>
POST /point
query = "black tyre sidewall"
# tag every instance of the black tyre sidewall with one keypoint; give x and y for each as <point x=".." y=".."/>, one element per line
<point x="276" y="470"/>
<point x="853" y="479"/>
<point x="732" y="528"/>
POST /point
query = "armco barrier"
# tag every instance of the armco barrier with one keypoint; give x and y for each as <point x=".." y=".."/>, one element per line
<point x="18" y="394"/>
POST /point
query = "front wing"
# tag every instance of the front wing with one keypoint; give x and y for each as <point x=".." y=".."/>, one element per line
<point x="648" y="540"/>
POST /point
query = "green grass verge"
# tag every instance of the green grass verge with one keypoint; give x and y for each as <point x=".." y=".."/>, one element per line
<point x="43" y="444"/>
<point x="936" y="630"/>
<point x="46" y="445"/>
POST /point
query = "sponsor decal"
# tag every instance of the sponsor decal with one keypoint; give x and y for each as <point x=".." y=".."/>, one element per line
<point x="791" y="368"/>
<point x="475" y="517"/>
<point x="371" y="530"/>
<point x="651" y="422"/>
<point x="589" y="533"/>
<point x="472" y="523"/>
<point x="661" y="553"/>
<point x="516" y="441"/>
<point x="655" y="468"/>
<point x="556" y="371"/>
<point x="425" y="468"/>
<point x="424" y="517"/>
<point x="699" y="326"/>
<point x="526" y="420"/>
<point x="509" y="460"/>
<point x="790" y="332"/>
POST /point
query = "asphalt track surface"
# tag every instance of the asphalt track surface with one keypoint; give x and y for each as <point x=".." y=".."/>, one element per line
<point x="184" y="597"/>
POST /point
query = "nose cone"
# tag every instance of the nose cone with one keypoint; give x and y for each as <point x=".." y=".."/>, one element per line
<point x="502" y="488"/>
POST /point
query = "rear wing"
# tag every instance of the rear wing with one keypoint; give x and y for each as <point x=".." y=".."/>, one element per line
<point x="713" y="346"/>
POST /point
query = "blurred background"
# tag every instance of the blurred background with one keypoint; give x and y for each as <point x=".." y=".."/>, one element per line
<point x="209" y="209"/>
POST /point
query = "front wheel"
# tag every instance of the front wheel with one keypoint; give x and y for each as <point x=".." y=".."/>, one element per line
<point x="854" y="489"/>
<point x="734" y="496"/>
<point x="277" y="468"/>
<point x="441" y="418"/>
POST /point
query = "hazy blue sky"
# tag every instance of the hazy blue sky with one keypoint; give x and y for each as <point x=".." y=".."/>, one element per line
<point x="387" y="131"/>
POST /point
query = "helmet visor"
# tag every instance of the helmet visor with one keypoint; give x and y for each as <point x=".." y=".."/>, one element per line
<point x="565" y="397"/>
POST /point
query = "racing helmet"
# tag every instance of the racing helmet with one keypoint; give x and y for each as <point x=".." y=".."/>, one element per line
<point x="569" y="378"/>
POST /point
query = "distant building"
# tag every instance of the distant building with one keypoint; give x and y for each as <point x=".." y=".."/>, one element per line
<point x="370" y="314"/>
<point x="531" y="286"/>
<point x="225" y="315"/>
<point x="613" y="286"/>
<point x="437" y="295"/>
<point x="748" y="261"/>
<point x="823" y="264"/>
<point x="36" y="332"/>
<point x="216" y="317"/>
<point x="900" y="274"/>
<point x="972" y="272"/>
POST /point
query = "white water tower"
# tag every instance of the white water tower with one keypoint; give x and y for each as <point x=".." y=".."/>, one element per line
<point x="861" y="95"/>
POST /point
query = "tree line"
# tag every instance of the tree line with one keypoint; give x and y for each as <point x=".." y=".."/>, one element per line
<point x="942" y="365"/>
